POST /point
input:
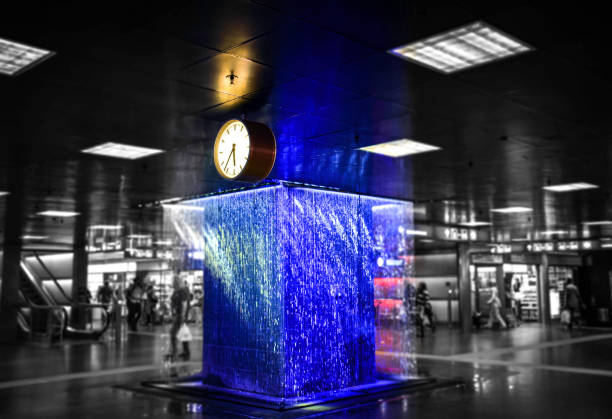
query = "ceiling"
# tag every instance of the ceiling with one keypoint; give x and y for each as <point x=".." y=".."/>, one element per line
<point x="318" y="73"/>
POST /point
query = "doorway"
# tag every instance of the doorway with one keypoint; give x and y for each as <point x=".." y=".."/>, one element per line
<point x="521" y="290"/>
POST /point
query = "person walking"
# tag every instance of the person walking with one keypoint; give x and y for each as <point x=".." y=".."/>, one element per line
<point x="105" y="293"/>
<point x="573" y="303"/>
<point x="179" y="306"/>
<point x="494" y="308"/>
<point x="517" y="298"/>
<point x="150" y="305"/>
<point x="424" y="310"/>
<point x="134" y="295"/>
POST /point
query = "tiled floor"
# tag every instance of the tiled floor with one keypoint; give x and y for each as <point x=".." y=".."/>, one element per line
<point x="531" y="371"/>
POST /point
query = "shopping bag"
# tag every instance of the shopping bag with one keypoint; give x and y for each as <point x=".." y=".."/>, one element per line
<point x="184" y="334"/>
<point x="566" y="317"/>
<point x="424" y="318"/>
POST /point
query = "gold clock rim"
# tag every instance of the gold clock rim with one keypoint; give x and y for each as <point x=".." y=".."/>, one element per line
<point x="216" y="148"/>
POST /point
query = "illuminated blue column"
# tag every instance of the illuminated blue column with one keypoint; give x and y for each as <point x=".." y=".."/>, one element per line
<point x="288" y="288"/>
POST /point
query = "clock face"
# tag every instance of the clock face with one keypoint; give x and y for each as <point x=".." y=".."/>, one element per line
<point x="232" y="149"/>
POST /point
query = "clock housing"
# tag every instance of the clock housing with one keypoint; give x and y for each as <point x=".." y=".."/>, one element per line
<point x="260" y="153"/>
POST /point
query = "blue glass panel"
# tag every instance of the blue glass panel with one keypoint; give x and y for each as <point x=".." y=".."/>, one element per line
<point x="289" y="285"/>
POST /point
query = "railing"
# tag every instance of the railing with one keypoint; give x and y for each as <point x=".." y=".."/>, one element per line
<point x="51" y="276"/>
<point x="47" y="321"/>
<point x="84" y="310"/>
<point x="86" y="313"/>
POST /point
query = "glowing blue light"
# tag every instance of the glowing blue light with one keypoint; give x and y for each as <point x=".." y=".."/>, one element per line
<point x="289" y="285"/>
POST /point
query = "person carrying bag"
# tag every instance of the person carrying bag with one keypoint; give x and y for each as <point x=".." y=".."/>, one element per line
<point x="572" y="305"/>
<point x="179" y="332"/>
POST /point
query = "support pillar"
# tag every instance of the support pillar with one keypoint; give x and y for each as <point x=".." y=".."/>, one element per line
<point x="543" y="291"/>
<point x="465" y="287"/>
<point x="80" y="292"/>
<point x="9" y="302"/>
<point x="9" y="291"/>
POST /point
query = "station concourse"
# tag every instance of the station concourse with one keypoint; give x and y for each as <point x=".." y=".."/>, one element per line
<point x="261" y="208"/>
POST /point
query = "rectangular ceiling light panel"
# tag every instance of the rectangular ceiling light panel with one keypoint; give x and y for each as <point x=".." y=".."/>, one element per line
<point x="462" y="48"/>
<point x="55" y="213"/>
<point x="553" y="232"/>
<point x="597" y="223"/>
<point x="105" y="227"/>
<point x="570" y="187"/>
<point x="3" y="193"/>
<point x="511" y="210"/>
<point x="400" y="148"/>
<point x="475" y="224"/>
<point x="16" y="58"/>
<point x="122" y="151"/>
<point x="415" y="232"/>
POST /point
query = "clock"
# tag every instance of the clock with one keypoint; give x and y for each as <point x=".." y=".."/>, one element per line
<point x="244" y="150"/>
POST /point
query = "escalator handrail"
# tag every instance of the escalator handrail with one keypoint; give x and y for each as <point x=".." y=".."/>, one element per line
<point x="39" y="289"/>
<point x="105" y="315"/>
<point x="62" y="309"/>
<point x="53" y="278"/>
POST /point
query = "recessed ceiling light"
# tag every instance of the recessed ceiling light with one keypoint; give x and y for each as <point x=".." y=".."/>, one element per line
<point x="33" y="237"/>
<point x="597" y="223"/>
<point x="105" y="227"/>
<point x="475" y="224"/>
<point x="3" y="193"/>
<point x="511" y="210"/>
<point x="570" y="187"/>
<point x="15" y="58"/>
<point x="415" y="233"/>
<point x="400" y="148"/>
<point x="462" y="48"/>
<point x="122" y="151"/>
<point x="553" y="232"/>
<point x="54" y="213"/>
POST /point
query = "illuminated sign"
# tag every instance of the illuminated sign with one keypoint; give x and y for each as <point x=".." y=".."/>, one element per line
<point x="459" y="234"/>
<point x="501" y="248"/>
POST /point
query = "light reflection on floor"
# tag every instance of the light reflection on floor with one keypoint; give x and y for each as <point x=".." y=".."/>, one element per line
<point x="505" y="374"/>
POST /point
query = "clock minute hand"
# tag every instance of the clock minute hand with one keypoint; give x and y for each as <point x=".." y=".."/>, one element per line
<point x="228" y="157"/>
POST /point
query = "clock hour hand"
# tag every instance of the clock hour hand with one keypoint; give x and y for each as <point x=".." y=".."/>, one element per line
<point x="234" y="153"/>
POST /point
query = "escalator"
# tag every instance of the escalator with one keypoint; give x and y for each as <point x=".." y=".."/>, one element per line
<point x="41" y="291"/>
<point x="38" y="315"/>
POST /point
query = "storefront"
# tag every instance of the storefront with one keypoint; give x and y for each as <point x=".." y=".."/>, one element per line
<point x="530" y="286"/>
<point x="120" y="272"/>
<point x="557" y="279"/>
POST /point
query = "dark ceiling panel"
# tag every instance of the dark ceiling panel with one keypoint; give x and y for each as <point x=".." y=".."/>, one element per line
<point x="213" y="74"/>
<point x="219" y="25"/>
<point x="142" y="50"/>
<point x="363" y="112"/>
<point x="156" y="76"/>
<point x="301" y="48"/>
<point x="306" y="127"/>
<point x="380" y="75"/>
<point x="304" y="95"/>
